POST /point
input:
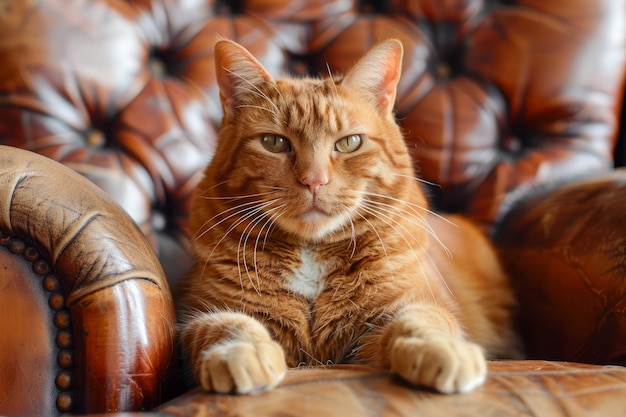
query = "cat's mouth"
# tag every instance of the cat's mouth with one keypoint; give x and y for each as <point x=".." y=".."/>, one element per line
<point x="313" y="221"/>
<point x="314" y="213"/>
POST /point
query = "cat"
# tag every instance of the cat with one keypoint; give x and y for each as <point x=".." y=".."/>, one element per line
<point x="314" y="243"/>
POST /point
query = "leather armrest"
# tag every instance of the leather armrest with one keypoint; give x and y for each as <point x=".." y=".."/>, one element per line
<point x="566" y="252"/>
<point x="119" y="340"/>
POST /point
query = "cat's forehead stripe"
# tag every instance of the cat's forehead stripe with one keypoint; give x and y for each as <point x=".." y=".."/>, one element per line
<point x="310" y="106"/>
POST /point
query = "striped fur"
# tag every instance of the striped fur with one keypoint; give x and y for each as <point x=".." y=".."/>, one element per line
<point x="314" y="256"/>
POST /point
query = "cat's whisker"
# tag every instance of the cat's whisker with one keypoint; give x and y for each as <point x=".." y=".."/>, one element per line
<point x="237" y="210"/>
<point x="380" y="239"/>
<point x="390" y="223"/>
<point x="270" y="220"/>
<point x="352" y="241"/>
<point x="273" y="224"/>
<point x="248" y="214"/>
<point x="219" y="184"/>
<point x="273" y="187"/>
<point x="255" y="219"/>
<point x="418" y="179"/>
<point x="376" y="211"/>
<point x="238" y="197"/>
<point x="310" y="356"/>
<point x="241" y="252"/>
<point x="416" y="210"/>
<point x="417" y="220"/>
<point x="244" y="244"/>
<point x="409" y="204"/>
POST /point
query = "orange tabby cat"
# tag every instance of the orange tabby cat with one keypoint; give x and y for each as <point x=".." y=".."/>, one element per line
<point x="314" y="244"/>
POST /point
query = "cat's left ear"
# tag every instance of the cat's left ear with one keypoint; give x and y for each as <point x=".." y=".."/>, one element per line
<point x="377" y="74"/>
<point x="238" y="73"/>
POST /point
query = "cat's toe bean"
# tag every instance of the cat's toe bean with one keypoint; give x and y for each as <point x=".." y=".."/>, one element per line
<point x="242" y="367"/>
<point x="473" y="371"/>
<point x="214" y="372"/>
<point x="448" y="365"/>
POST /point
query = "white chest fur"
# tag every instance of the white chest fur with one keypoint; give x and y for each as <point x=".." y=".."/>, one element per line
<point x="308" y="278"/>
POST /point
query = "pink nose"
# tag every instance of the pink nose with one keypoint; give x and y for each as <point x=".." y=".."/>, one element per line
<point x="314" y="181"/>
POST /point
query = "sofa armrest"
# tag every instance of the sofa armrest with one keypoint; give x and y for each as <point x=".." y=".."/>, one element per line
<point x="565" y="250"/>
<point x="115" y="344"/>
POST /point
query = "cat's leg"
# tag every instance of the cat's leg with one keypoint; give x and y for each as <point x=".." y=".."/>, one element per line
<point x="232" y="352"/>
<point x="425" y="347"/>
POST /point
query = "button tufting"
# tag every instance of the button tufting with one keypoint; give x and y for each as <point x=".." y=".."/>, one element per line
<point x="95" y="138"/>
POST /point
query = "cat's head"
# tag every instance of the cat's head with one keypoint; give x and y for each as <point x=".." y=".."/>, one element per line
<point x="306" y="155"/>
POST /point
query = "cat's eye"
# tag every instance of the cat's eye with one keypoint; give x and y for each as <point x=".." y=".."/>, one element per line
<point x="348" y="144"/>
<point x="275" y="143"/>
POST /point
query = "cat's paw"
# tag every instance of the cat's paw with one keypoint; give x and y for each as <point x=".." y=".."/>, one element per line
<point x="242" y="367"/>
<point x="446" y="364"/>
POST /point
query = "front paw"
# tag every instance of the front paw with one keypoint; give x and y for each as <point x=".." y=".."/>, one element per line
<point x="447" y="364"/>
<point x="242" y="367"/>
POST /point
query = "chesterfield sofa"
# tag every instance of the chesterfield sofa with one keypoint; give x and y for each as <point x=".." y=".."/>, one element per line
<point x="109" y="111"/>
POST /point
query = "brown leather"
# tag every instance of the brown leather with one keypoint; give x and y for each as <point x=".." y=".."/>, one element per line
<point x="514" y="388"/>
<point x="495" y="98"/>
<point x="567" y="253"/>
<point x="88" y="322"/>
<point x="500" y="101"/>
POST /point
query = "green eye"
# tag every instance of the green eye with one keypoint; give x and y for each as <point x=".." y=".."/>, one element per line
<point x="348" y="144"/>
<point x="275" y="143"/>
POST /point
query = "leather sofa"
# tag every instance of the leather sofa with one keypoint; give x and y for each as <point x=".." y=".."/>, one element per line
<point x="510" y="107"/>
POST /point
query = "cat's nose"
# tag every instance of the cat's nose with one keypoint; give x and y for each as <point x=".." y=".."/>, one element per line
<point x="314" y="181"/>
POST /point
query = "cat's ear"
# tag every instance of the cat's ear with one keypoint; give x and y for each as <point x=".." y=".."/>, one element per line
<point x="377" y="74"/>
<point x="238" y="73"/>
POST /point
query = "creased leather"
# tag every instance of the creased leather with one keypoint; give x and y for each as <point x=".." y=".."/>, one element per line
<point x="513" y="388"/>
<point x="111" y="314"/>
<point x="565" y="251"/>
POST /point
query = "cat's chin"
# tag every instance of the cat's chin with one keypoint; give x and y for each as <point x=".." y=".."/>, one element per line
<point x="314" y="225"/>
<point x="315" y="215"/>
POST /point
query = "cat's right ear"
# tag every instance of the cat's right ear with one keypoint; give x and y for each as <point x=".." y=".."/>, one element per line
<point x="377" y="74"/>
<point x="238" y="74"/>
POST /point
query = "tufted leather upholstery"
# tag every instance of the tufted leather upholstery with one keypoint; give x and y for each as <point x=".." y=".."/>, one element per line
<point x="495" y="99"/>
<point x="501" y="102"/>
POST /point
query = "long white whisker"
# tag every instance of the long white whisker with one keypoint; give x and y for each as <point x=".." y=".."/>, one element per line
<point x="352" y="230"/>
<point x="418" y="179"/>
<point x="417" y="258"/>
<point x="214" y="186"/>
<point x="248" y="215"/>
<point x="273" y="224"/>
<point x="243" y="242"/>
<point x="271" y="217"/>
<point x="237" y="210"/>
<point x="392" y="222"/>
<point x="409" y="204"/>
<point x="241" y="249"/>
<point x="382" y="243"/>
<point x="239" y="197"/>
<point x="419" y="220"/>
